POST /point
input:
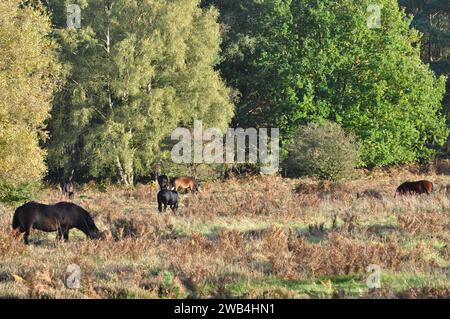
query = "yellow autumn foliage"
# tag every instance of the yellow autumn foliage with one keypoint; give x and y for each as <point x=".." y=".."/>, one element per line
<point x="29" y="74"/>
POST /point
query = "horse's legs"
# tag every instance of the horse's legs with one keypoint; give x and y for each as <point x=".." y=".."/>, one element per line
<point x="59" y="233"/>
<point x="165" y="207"/>
<point x="66" y="235"/>
<point x="160" y="206"/>
<point x="26" y="236"/>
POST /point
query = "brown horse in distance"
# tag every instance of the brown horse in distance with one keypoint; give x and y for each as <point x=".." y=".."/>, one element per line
<point x="185" y="182"/>
<point x="419" y="187"/>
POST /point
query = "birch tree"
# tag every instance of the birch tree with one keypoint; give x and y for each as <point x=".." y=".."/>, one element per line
<point x="135" y="71"/>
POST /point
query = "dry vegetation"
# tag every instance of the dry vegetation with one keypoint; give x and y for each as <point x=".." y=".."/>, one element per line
<point x="259" y="237"/>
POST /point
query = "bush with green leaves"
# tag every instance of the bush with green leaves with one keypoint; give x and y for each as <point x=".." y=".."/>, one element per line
<point x="14" y="194"/>
<point x="322" y="150"/>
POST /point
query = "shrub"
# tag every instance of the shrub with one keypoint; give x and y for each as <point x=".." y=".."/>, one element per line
<point x="322" y="150"/>
<point x="12" y="194"/>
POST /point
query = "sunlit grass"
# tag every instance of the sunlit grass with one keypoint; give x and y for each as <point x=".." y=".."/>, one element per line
<point x="260" y="237"/>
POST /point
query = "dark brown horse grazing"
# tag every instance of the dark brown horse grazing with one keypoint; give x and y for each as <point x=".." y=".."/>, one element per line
<point x="419" y="187"/>
<point x="185" y="182"/>
<point x="60" y="217"/>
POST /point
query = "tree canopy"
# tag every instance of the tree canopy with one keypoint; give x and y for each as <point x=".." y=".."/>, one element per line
<point x="29" y="74"/>
<point x="135" y="70"/>
<point x="104" y="98"/>
<point x="297" y="61"/>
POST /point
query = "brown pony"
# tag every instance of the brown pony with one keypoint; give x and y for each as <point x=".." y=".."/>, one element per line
<point x="419" y="187"/>
<point x="185" y="182"/>
<point x="60" y="217"/>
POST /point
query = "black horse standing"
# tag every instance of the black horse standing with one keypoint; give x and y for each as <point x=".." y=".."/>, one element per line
<point x="166" y="198"/>
<point x="60" y="217"/>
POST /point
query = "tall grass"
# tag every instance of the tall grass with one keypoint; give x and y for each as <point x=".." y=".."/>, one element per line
<point x="254" y="237"/>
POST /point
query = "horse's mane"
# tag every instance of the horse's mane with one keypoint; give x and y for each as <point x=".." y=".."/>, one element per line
<point x="88" y="219"/>
<point x="84" y="214"/>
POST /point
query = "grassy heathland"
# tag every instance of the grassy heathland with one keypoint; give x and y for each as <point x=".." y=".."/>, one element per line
<point x="255" y="237"/>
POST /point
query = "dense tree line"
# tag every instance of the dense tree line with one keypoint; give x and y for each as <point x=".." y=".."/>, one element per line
<point x="297" y="61"/>
<point x="103" y="99"/>
<point x="432" y="18"/>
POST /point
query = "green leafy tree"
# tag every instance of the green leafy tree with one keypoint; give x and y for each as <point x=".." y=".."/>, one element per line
<point x="297" y="61"/>
<point x="135" y="71"/>
<point x="28" y="78"/>
<point x="322" y="150"/>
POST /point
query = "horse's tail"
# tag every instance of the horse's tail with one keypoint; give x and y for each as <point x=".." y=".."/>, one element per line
<point x="429" y="187"/>
<point x="16" y="222"/>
